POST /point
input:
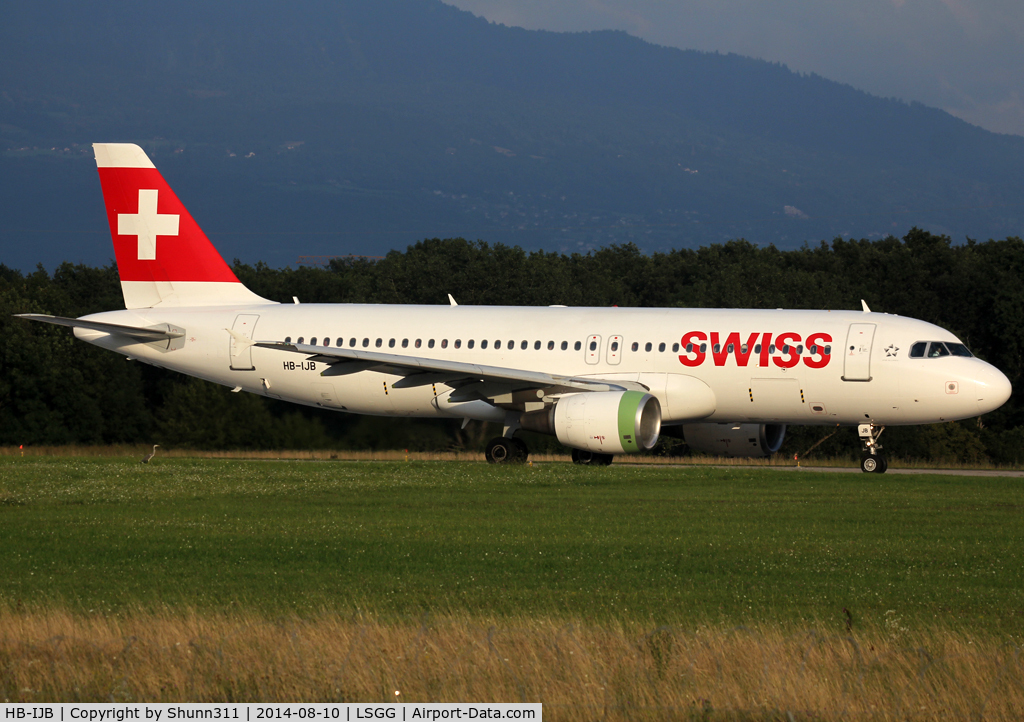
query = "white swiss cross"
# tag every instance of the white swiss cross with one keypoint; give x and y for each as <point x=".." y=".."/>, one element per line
<point x="147" y="224"/>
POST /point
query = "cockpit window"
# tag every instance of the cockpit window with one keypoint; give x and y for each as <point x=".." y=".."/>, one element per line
<point x="939" y="349"/>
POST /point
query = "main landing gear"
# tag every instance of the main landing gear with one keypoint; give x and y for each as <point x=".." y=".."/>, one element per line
<point x="872" y="460"/>
<point x="506" y="451"/>
<point x="590" y="458"/>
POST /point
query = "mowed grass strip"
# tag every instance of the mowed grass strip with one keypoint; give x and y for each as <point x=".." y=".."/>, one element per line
<point x="654" y="545"/>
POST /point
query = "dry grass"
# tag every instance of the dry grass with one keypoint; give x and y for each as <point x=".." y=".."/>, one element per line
<point x="579" y="672"/>
<point x="133" y="450"/>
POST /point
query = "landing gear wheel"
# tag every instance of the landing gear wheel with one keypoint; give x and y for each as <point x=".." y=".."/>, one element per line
<point x="582" y="457"/>
<point x="872" y="461"/>
<point x="871" y="464"/>
<point x="522" y="452"/>
<point x="501" y="451"/>
<point x="590" y="458"/>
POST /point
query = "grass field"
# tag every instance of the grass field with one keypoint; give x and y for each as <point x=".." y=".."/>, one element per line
<point x="672" y="546"/>
<point x="106" y="560"/>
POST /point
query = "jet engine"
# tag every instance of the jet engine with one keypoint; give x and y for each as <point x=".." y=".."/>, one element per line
<point x="737" y="440"/>
<point x="604" y="422"/>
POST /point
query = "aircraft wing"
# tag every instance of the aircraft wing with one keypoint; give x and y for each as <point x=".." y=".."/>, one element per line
<point x="163" y="332"/>
<point x="473" y="380"/>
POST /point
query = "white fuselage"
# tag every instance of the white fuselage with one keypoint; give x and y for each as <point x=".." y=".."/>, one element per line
<point x="858" y="371"/>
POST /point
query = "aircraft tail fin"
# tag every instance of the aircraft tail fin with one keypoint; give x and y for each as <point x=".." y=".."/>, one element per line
<point x="163" y="256"/>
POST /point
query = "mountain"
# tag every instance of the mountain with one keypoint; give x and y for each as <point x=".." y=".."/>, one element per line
<point x="323" y="127"/>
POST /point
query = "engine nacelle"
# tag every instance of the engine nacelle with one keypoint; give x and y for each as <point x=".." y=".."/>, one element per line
<point x="605" y="422"/>
<point x="737" y="440"/>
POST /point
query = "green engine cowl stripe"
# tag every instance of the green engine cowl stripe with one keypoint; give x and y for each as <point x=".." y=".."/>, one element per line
<point x="628" y="405"/>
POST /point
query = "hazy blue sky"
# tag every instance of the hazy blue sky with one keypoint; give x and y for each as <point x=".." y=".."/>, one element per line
<point x="964" y="56"/>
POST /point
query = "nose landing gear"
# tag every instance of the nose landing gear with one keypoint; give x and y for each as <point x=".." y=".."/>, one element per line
<point x="872" y="460"/>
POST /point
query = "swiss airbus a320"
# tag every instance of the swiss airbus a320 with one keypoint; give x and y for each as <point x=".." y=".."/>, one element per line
<point x="604" y="381"/>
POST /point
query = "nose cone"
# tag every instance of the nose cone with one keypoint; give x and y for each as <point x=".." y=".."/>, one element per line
<point x="993" y="389"/>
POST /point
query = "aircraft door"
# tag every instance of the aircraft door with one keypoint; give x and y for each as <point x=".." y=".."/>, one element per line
<point x="241" y="354"/>
<point x="614" y="354"/>
<point x="857" y="355"/>
<point x="592" y="350"/>
<point x="325" y="396"/>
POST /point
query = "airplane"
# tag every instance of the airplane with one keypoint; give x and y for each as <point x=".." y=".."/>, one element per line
<point x="603" y="381"/>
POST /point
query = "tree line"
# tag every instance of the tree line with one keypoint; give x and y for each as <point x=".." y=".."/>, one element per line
<point x="54" y="390"/>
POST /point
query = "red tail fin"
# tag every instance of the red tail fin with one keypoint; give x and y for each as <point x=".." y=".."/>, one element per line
<point x="163" y="256"/>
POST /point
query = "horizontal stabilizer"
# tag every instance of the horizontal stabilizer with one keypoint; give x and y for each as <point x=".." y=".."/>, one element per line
<point x="163" y="332"/>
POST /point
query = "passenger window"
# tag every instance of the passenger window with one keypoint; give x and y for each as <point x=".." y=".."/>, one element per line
<point x="800" y="349"/>
<point x="828" y="350"/>
<point x="771" y="349"/>
<point x="565" y="345"/>
<point x="661" y="347"/>
<point x="703" y="348"/>
<point x="497" y="345"/>
<point x="593" y="345"/>
<point x="378" y="343"/>
<point x="917" y="350"/>
<point x="635" y="346"/>
<point x="551" y="345"/>
<point x="300" y="340"/>
<point x="287" y="339"/>
<point x="647" y="346"/>
<point x="391" y="343"/>
<point x="937" y="349"/>
<point x="675" y="348"/>
<point x="483" y="344"/>
<point x="524" y="344"/>
<point x="340" y="342"/>
<point x="327" y="341"/>
<point x="536" y="345"/>
<point x="418" y="343"/>
<point x="729" y="348"/>
<point x="785" y="348"/>
<point x="718" y="347"/>
<point x="366" y="342"/>
<point x="430" y="343"/>
<point x="757" y="348"/>
<point x="312" y="341"/>
<point x="743" y="348"/>
<point x="352" y="342"/>
<point x="689" y="348"/>
<point x="458" y="343"/>
<point x="405" y="343"/>
<point x="576" y="346"/>
<point x="615" y="345"/>
<point x="813" y="349"/>
<point x="444" y="343"/>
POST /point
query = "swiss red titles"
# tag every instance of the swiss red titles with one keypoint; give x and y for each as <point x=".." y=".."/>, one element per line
<point x="784" y="350"/>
